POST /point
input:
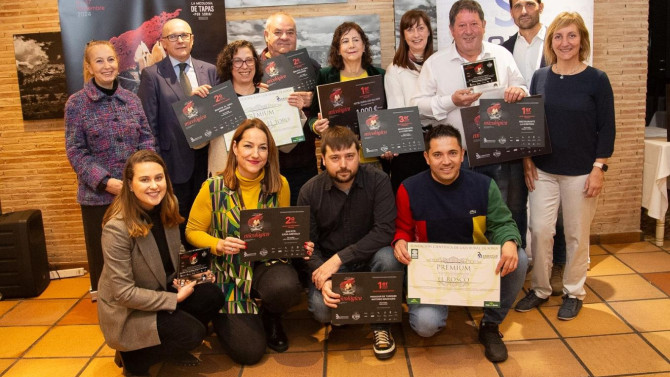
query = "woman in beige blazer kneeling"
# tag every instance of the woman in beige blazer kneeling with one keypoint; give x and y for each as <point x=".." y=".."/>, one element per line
<point x="144" y="313"/>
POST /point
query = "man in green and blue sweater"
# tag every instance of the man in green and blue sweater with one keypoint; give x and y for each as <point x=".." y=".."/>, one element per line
<point x="448" y="205"/>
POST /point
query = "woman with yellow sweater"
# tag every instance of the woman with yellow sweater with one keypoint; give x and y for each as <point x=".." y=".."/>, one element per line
<point x="250" y="180"/>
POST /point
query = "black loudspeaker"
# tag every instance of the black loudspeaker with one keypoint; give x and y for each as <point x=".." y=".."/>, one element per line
<point x="24" y="268"/>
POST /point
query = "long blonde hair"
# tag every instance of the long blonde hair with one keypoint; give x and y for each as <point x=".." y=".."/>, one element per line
<point x="127" y="206"/>
<point x="272" y="181"/>
<point x="86" y="63"/>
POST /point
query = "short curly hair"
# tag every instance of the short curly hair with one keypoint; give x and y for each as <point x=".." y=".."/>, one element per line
<point x="334" y="57"/>
<point x="224" y="61"/>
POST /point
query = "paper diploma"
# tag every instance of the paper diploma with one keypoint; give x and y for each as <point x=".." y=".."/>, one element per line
<point x="453" y="274"/>
<point x="273" y="109"/>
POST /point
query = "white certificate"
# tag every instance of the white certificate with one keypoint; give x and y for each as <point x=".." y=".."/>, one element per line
<point x="273" y="109"/>
<point x="453" y="274"/>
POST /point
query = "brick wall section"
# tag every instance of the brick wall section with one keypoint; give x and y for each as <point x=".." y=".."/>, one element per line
<point x="35" y="173"/>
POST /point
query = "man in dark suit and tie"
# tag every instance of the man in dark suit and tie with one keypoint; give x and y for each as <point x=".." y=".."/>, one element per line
<point x="173" y="79"/>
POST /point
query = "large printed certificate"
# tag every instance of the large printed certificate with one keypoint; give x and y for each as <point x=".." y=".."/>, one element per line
<point x="518" y="124"/>
<point x="273" y="109"/>
<point x="340" y="101"/>
<point x="368" y="297"/>
<point x="203" y="119"/>
<point x="479" y="156"/>
<point x="397" y="130"/>
<point x="273" y="233"/>
<point x="453" y="274"/>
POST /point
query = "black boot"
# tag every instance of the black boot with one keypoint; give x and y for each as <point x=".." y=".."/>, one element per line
<point x="274" y="332"/>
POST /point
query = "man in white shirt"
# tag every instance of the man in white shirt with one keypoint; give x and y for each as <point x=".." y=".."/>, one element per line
<point x="527" y="45"/>
<point x="441" y="89"/>
<point x="441" y="92"/>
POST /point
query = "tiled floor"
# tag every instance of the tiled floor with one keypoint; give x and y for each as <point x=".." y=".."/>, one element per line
<point x="622" y="330"/>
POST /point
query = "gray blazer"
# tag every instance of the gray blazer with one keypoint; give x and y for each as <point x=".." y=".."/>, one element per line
<point x="132" y="286"/>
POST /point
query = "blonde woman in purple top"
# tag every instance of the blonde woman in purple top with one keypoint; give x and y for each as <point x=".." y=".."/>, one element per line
<point x="104" y="125"/>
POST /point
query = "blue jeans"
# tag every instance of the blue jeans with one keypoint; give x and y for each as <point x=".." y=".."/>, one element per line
<point x="426" y="319"/>
<point x="382" y="260"/>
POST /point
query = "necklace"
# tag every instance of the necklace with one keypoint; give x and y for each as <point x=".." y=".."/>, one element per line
<point x="579" y="66"/>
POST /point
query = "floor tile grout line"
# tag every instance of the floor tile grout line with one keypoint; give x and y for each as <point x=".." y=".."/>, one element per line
<point x="565" y="342"/>
<point x="408" y="360"/>
<point x="635" y="331"/>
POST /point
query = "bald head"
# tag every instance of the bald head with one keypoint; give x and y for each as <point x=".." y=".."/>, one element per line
<point x="180" y="31"/>
<point x="280" y="34"/>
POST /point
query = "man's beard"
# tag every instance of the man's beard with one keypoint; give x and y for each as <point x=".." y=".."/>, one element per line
<point x="337" y="179"/>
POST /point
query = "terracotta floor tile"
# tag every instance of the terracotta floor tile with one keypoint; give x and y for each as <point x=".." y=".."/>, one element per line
<point x="69" y="341"/>
<point x="660" y="280"/>
<point x="596" y="250"/>
<point x="102" y="366"/>
<point x="635" y="247"/>
<point x="660" y="340"/>
<point x="460" y="329"/>
<point x="37" y="312"/>
<point x="5" y="306"/>
<point x="67" y="288"/>
<point x="647" y="262"/>
<point x="593" y="319"/>
<point x="449" y="361"/>
<point x="645" y="315"/>
<point x="529" y="325"/>
<point x="540" y="358"/>
<point x="364" y="363"/>
<point x="105" y="351"/>
<point x="17" y="339"/>
<point x="85" y="312"/>
<point x="211" y="365"/>
<point x="304" y="335"/>
<point x="623" y="287"/>
<point x="617" y="355"/>
<point x="301" y="364"/>
<point x="56" y="367"/>
<point x="5" y="363"/>
<point x="607" y="265"/>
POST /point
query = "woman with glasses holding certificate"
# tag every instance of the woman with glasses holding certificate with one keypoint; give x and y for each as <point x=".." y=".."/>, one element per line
<point x="250" y="180"/>
<point x="579" y="110"/>
<point x="239" y="63"/>
<point x="144" y="313"/>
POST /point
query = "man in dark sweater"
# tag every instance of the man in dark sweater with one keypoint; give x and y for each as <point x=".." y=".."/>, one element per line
<point x="449" y="205"/>
<point x="352" y="224"/>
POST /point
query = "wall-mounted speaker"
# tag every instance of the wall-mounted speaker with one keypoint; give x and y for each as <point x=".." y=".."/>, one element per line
<point x="24" y="268"/>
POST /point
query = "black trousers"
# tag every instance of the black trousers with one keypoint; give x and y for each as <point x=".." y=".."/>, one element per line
<point x="92" y="218"/>
<point x="187" y="191"/>
<point x="242" y="335"/>
<point x="179" y="331"/>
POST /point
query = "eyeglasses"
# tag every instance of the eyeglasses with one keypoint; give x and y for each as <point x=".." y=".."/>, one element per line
<point x="237" y="63"/>
<point x="175" y="37"/>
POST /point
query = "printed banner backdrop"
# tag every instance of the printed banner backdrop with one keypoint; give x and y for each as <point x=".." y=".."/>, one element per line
<point x="499" y="22"/>
<point x="134" y="28"/>
<point x="314" y="33"/>
<point x="41" y="73"/>
<point x="266" y="3"/>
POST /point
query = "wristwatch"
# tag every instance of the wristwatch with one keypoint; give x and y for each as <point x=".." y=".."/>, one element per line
<point x="600" y="165"/>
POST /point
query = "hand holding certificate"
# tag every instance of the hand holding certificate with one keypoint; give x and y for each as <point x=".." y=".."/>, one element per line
<point x="368" y="297"/>
<point x="194" y="266"/>
<point x="453" y="274"/>
<point x="273" y="233"/>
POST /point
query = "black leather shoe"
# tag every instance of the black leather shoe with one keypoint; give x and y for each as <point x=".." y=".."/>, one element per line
<point x="274" y="332"/>
<point x="119" y="363"/>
